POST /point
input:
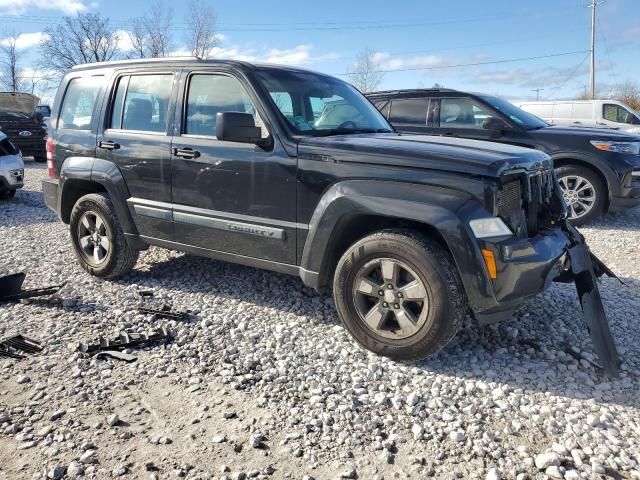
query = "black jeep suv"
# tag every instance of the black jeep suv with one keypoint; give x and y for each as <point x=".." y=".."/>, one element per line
<point x="255" y="164"/>
<point x="598" y="170"/>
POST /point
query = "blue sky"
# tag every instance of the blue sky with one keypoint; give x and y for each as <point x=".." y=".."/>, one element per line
<point x="417" y="41"/>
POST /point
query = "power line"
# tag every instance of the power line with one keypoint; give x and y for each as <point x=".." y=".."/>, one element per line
<point x="474" y="64"/>
<point x="571" y="75"/>
<point x="606" y="47"/>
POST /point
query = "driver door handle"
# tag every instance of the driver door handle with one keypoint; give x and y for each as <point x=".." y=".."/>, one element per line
<point x="186" y="152"/>
<point x="108" y="145"/>
<point x="449" y="134"/>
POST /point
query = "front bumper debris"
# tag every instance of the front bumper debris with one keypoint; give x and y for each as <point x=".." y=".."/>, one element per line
<point x="584" y="270"/>
<point x="11" y="289"/>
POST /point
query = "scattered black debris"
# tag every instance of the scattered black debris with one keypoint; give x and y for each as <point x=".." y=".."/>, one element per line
<point x="11" y="346"/>
<point x="11" y="288"/>
<point x="145" y="293"/>
<point x="126" y="340"/>
<point x="575" y="353"/>
<point x="165" y="312"/>
<point x="117" y="355"/>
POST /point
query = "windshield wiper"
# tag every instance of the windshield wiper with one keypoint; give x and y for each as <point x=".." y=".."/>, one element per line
<point x="349" y="131"/>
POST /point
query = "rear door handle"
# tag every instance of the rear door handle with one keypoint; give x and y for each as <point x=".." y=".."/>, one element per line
<point x="186" y="152"/>
<point x="108" y="145"/>
<point x="449" y="134"/>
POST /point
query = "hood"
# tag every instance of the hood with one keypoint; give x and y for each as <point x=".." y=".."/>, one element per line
<point x="591" y="133"/>
<point x="18" y="102"/>
<point x="472" y="157"/>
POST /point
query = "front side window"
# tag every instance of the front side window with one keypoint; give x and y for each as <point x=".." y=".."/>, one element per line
<point x="461" y="113"/>
<point x="314" y="104"/>
<point x="141" y="103"/>
<point x="79" y="101"/>
<point x="212" y="94"/>
<point x="618" y="114"/>
<point x="409" y="112"/>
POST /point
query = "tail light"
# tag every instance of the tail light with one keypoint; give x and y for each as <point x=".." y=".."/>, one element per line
<point x="51" y="146"/>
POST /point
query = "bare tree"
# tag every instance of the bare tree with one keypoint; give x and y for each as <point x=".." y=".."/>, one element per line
<point x="628" y="92"/>
<point x="10" y="71"/>
<point x="150" y="34"/>
<point x="201" y="36"/>
<point x="365" y="74"/>
<point x="84" y="38"/>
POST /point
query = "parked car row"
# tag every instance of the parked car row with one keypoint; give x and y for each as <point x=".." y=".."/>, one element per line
<point x="294" y="171"/>
<point x="597" y="169"/>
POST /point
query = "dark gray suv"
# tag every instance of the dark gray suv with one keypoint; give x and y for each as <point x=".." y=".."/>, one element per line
<point x="243" y="163"/>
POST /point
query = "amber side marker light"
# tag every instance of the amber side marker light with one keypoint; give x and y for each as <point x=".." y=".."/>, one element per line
<point x="490" y="262"/>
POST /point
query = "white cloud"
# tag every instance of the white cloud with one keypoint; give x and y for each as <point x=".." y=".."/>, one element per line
<point x="18" y="7"/>
<point x="124" y="41"/>
<point x="26" y="40"/>
<point x="298" y="55"/>
<point x="391" y="62"/>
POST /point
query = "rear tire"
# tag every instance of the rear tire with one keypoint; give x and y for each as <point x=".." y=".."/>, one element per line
<point x="584" y="193"/>
<point x="98" y="240"/>
<point x="7" y="194"/>
<point x="394" y="268"/>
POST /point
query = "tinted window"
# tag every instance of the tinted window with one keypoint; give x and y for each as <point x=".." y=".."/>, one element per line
<point x="616" y="113"/>
<point x="409" y="111"/>
<point x="210" y="95"/>
<point x="141" y="103"/>
<point x="79" y="101"/>
<point x="462" y="113"/>
<point x="524" y="119"/>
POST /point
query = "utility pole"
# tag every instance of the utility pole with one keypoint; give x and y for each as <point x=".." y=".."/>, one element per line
<point x="537" y="90"/>
<point x="592" y="52"/>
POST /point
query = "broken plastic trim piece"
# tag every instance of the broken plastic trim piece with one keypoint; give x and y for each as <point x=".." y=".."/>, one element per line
<point x="179" y="316"/>
<point x="584" y="269"/>
<point x="11" y="289"/>
<point x="10" y="346"/>
<point x="125" y="340"/>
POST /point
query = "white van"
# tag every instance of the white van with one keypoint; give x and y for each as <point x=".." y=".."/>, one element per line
<point x="586" y="113"/>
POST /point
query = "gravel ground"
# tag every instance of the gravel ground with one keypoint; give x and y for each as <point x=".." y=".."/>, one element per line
<point x="263" y="382"/>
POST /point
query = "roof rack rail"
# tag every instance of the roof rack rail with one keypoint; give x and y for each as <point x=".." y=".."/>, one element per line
<point x="136" y="60"/>
<point x="411" y="90"/>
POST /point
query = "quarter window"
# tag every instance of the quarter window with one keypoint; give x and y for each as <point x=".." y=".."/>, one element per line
<point x="141" y="103"/>
<point x="409" y="112"/>
<point x="79" y="101"/>
<point x="461" y="113"/>
<point x="213" y="94"/>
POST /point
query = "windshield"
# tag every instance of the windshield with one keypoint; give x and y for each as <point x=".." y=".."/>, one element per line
<point x="522" y="118"/>
<point x="318" y="105"/>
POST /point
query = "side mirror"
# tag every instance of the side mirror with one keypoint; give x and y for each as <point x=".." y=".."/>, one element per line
<point x="494" y="124"/>
<point x="237" y="127"/>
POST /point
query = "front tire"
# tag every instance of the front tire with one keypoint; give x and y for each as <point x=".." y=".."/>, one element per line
<point x="584" y="193"/>
<point x="98" y="240"/>
<point x="399" y="294"/>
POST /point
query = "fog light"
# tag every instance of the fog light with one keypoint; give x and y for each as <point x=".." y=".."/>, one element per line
<point x="490" y="262"/>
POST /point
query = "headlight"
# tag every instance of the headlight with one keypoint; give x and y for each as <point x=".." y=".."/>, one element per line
<point x="489" y="228"/>
<point x="632" y="148"/>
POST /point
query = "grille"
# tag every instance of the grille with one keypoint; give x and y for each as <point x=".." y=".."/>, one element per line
<point x="526" y="203"/>
<point x="510" y="206"/>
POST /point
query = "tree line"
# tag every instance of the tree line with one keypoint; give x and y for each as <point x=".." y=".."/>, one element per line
<point x="89" y="37"/>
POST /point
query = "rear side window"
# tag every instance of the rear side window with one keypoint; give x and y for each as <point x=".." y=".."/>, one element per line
<point x="409" y="112"/>
<point x="141" y="103"/>
<point x="78" y="104"/>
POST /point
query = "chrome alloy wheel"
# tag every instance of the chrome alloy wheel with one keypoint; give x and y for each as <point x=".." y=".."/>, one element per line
<point x="390" y="298"/>
<point x="579" y="195"/>
<point x="93" y="237"/>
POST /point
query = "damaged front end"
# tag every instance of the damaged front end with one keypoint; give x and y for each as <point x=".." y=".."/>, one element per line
<point x="544" y="248"/>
